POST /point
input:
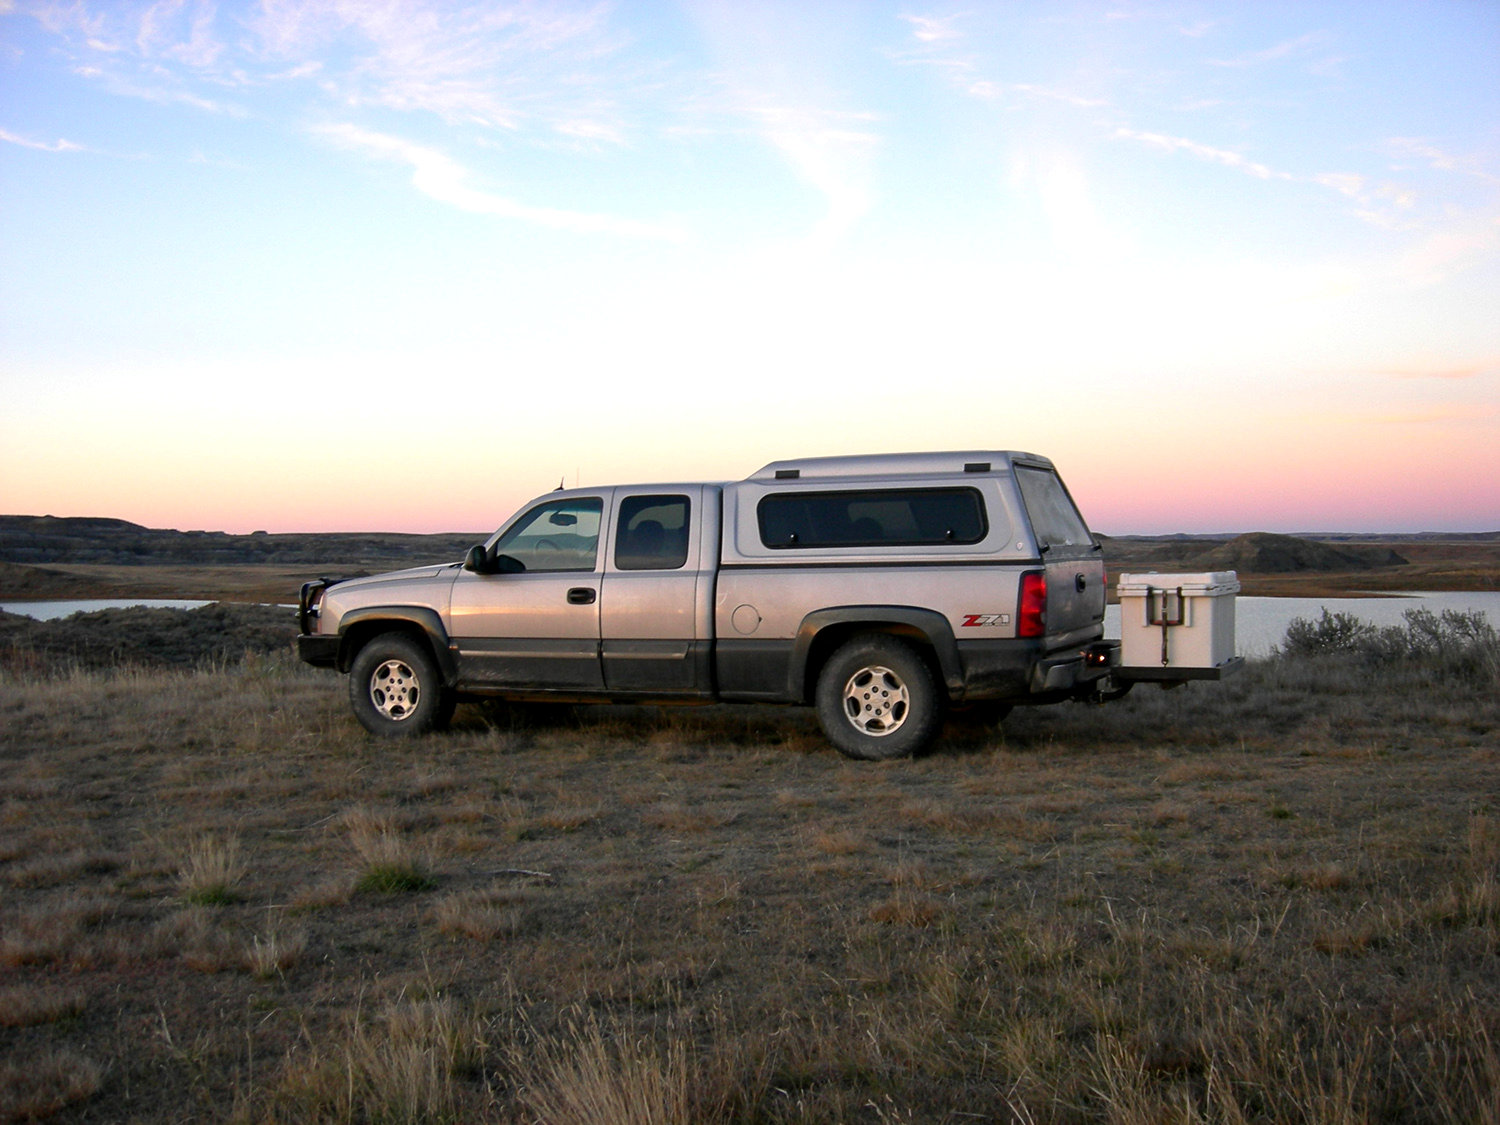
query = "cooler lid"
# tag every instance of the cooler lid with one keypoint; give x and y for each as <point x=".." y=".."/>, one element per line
<point x="1202" y="584"/>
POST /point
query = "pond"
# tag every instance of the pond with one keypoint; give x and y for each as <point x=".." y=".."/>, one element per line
<point x="1260" y="623"/>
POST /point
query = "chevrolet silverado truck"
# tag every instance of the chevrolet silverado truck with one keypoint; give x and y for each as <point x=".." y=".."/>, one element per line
<point x="881" y="590"/>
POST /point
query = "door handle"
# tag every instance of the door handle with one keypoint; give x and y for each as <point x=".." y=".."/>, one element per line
<point x="582" y="595"/>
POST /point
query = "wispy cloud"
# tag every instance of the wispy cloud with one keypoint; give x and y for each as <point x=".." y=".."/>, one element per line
<point x="773" y="66"/>
<point x="163" y="90"/>
<point x="1226" y="157"/>
<point x="935" y="41"/>
<point x="934" y="29"/>
<point x="1406" y="148"/>
<point x="1452" y="248"/>
<point x="42" y="146"/>
<point x="77" y="20"/>
<point x="999" y="91"/>
<point x="503" y="64"/>
<point x="1381" y="203"/>
<point x="1059" y="95"/>
<point x="828" y="150"/>
<point x="443" y="179"/>
<point x="1283" y="50"/>
<point x="158" y="52"/>
<point x="177" y="30"/>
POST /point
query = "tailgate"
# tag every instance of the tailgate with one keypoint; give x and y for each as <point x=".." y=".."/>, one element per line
<point x="1075" y="598"/>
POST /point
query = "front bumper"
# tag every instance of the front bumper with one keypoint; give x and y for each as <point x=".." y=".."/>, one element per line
<point x="319" y="650"/>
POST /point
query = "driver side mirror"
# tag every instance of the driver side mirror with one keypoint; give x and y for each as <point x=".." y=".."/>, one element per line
<point x="479" y="561"/>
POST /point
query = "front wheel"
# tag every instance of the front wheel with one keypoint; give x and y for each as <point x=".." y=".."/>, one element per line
<point x="396" y="689"/>
<point x="877" y="699"/>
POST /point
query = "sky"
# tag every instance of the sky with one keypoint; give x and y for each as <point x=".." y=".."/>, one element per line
<point x="402" y="265"/>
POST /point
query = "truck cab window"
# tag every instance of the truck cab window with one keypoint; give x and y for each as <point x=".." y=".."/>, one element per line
<point x="560" y="535"/>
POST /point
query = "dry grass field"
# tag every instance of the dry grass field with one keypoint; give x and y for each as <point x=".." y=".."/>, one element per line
<point x="1275" y="899"/>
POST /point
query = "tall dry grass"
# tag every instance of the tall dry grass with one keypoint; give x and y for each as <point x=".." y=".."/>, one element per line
<point x="592" y="1073"/>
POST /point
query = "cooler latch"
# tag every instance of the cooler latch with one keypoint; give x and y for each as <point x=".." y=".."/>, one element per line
<point x="1166" y="608"/>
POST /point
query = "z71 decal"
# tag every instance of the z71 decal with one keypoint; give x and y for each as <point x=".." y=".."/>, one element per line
<point x="981" y="619"/>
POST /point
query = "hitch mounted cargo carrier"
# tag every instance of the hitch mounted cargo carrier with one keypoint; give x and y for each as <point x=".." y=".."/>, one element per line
<point x="1177" y="627"/>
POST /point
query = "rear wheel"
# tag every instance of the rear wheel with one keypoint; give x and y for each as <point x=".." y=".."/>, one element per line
<point x="396" y="689"/>
<point x="877" y="699"/>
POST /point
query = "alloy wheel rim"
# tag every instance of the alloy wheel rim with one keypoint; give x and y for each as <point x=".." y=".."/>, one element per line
<point x="395" y="690"/>
<point x="876" y="701"/>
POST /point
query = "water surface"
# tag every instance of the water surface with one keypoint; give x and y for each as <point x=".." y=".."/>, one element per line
<point x="1260" y="623"/>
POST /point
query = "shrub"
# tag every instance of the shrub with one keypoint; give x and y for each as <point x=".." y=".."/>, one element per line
<point x="1330" y="633"/>
<point x="1454" y="645"/>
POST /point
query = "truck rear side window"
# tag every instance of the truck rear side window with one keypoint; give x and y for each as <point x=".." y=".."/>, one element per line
<point x="653" y="533"/>
<point x="1054" y="517"/>
<point x="895" y="517"/>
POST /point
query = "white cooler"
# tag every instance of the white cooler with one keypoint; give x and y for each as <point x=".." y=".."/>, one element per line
<point x="1177" y="620"/>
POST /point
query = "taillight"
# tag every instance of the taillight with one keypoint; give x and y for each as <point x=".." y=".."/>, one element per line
<point x="1031" y="619"/>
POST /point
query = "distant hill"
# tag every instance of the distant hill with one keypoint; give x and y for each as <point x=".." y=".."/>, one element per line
<point x="1261" y="552"/>
<point x="39" y="540"/>
<point x="77" y="525"/>
<point x="1257" y="552"/>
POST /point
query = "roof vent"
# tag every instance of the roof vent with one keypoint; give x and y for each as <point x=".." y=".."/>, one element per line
<point x="976" y="466"/>
<point x="788" y="474"/>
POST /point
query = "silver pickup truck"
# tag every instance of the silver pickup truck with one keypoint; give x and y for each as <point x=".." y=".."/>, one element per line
<point x="880" y="589"/>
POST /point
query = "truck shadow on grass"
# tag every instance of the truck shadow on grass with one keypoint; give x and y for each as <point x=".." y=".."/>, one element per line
<point x="1338" y="698"/>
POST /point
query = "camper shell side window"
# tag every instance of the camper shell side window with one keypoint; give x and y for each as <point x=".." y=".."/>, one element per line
<point x="887" y="517"/>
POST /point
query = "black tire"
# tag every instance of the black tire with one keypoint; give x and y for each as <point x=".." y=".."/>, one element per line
<point x="396" y="689"/>
<point x="878" y="699"/>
